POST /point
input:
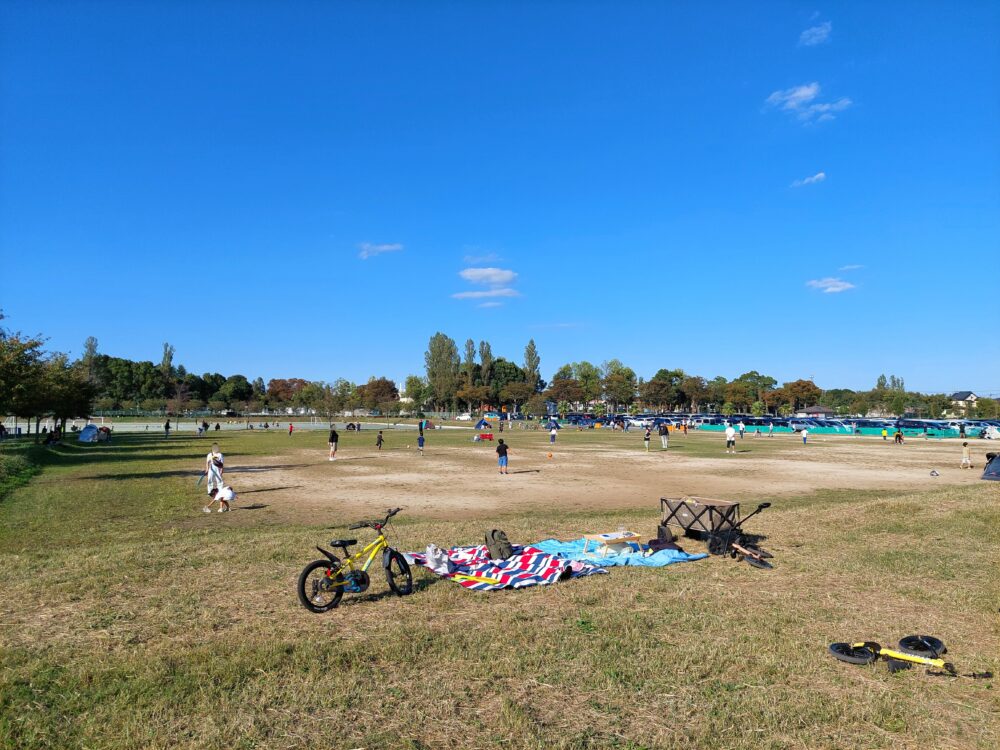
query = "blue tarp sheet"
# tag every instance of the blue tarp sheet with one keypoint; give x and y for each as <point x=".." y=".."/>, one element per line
<point x="574" y="551"/>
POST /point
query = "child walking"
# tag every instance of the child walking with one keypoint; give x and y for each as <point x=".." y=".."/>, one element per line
<point x="966" y="456"/>
<point x="420" y="443"/>
<point x="379" y="440"/>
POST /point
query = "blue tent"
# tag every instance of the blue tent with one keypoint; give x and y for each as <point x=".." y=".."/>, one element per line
<point x="88" y="434"/>
<point x="552" y="424"/>
<point x="992" y="470"/>
<point x="482" y="424"/>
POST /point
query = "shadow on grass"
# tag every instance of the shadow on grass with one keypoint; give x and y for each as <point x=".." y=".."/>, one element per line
<point x="273" y="489"/>
<point x="193" y="475"/>
<point x="419" y="585"/>
<point x="255" y="506"/>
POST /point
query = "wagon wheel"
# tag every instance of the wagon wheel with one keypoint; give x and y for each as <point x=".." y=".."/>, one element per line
<point x="717" y="545"/>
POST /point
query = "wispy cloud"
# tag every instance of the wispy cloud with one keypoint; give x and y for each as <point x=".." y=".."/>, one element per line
<point x="491" y="276"/>
<point x="830" y="285"/>
<point x="490" y="304"/>
<point x="802" y="102"/>
<point x="476" y="258"/>
<point x="487" y="293"/>
<point x="815" y="34"/>
<point x="852" y="267"/>
<point x="818" y="177"/>
<point x="370" y="250"/>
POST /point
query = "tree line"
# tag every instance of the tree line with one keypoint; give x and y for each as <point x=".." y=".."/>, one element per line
<point x="35" y="384"/>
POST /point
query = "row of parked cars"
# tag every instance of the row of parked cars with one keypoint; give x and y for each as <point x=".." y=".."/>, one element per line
<point x="987" y="427"/>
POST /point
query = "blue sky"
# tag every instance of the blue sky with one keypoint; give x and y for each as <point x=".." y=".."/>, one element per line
<point x="314" y="189"/>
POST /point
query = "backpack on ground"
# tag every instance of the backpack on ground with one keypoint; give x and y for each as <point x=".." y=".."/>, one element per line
<point x="498" y="544"/>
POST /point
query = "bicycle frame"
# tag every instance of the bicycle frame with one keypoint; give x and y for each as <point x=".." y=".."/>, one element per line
<point x="889" y="653"/>
<point x="371" y="550"/>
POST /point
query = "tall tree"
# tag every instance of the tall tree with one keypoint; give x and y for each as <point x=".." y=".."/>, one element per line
<point x="589" y="377"/>
<point x="167" y="361"/>
<point x="801" y="393"/>
<point x="442" y="364"/>
<point x="469" y="364"/>
<point x="88" y="359"/>
<point x="694" y="390"/>
<point x="486" y="363"/>
<point x="532" y="363"/>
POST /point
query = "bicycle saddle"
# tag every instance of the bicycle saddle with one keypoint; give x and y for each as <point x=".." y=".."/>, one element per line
<point x="345" y="543"/>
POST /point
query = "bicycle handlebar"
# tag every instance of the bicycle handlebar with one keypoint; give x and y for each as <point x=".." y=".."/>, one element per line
<point x="375" y="524"/>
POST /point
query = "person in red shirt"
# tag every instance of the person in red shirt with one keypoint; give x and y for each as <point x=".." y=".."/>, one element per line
<point x="290" y="428"/>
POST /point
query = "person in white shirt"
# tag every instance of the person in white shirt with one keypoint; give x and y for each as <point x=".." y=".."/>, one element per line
<point x="214" y="468"/>
<point x="224" y="495"/>
<point x="730" y="439"/>
<point x="743" y="429"/>
<point x="805" y="435"/>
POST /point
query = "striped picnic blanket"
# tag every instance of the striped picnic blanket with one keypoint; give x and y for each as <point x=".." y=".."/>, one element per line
<point x="528" y="566"/>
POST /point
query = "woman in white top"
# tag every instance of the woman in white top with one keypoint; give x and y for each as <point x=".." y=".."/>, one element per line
<point x="214" y="468"/>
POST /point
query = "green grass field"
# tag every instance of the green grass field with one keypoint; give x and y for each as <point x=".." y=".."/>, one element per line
<point x="132" y="620"/>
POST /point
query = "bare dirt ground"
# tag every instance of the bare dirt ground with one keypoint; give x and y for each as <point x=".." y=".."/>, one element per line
<point x="586" y="472"/>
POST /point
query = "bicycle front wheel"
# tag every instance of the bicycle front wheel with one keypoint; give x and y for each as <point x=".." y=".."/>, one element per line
<point x="320" y="587"/>
<point x="850" y="654"/>
<point x="397" y="573"/>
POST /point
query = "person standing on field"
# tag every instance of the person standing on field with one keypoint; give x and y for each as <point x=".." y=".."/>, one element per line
<point x="730" y="439"/>
<point x="420" y="443"/>
<point x="332" y="442"/>
<point x="664" y="435"/>
<point x="645" y="438"/>
<point x="166" y="429"/>
<point x="552" y="435"/>
<point x="379" y="440"/>
<point x="502" y="449"/>
<point x="742" y="428"/>
<point x="291" y="428"/>
<point x="805" y="435"/>
<point x="214" y="468"/>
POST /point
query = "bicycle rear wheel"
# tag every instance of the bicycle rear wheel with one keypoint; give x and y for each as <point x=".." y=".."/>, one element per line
<point x="319" y="588"/>
<point x="848" y="653"/>
<point x="922" y="645"/>
<point x="397" y="573"/>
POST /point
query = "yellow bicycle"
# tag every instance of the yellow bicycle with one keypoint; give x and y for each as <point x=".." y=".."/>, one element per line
<point x="323" y="583"/>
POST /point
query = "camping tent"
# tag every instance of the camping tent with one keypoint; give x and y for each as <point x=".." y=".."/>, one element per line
<point x="992" y="470"/>
<point x="552" y="424"/>
<point x="88" y="434"/>
<point x="483" y="424"/>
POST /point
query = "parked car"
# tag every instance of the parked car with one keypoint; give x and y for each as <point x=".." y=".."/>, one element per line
<point x="464" y="418"/>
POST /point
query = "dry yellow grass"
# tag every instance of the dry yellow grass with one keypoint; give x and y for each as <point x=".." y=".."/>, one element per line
<point x="132" y="620"/>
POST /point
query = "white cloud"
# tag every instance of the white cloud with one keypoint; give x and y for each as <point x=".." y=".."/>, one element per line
<point x="830" y="285"/>
<point x="490" y="276"/>
<point x="852" y="267"/>
<point x="815" y="34"/>
<point x="486" y="293"/>
<point x="801" y="101"/>
<point x="490" y="304"/>
<point x="478" y="260"/>
<point x="370" y="250"/>
<point x="818" y="177"/>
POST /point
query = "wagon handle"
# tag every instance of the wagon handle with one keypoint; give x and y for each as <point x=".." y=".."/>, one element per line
<point x="760" y="507"/>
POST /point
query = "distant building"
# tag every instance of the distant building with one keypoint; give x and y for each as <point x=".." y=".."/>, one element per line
<point x="962" y="401"/>
<point x="821" y="412"/>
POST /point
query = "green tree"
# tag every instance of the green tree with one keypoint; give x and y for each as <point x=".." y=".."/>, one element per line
<point x="694" y="390"/>
<point x="589" y="377"/>
<point x="532" y="363"/>
<point x="485" y="363"/>
<point x="517" y="393"/>
<point x="236" y="388"/>
<point x="802" y="393"/>
<point x="469" y="364"/>
<point x="728" y="409"/>
<point x="757" y="408"/>
<point x="87" y="361"/>
<point x="442" y="364"/>
<point x="504" y="372"/>
<point x="536" y="405"/>
<point x="415" y="388"/>
<point x="716" y="388"/>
